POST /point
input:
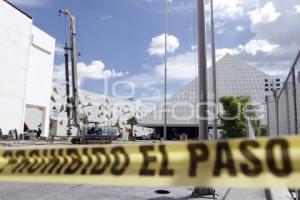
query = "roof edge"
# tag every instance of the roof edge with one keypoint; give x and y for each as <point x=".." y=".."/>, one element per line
<point x="18" y="9"/>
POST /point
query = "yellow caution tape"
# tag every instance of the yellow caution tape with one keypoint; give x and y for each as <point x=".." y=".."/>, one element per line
<point x="266" y="162"/>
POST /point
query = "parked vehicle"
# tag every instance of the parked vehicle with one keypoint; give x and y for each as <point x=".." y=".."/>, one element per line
<point x="102" y="135"/>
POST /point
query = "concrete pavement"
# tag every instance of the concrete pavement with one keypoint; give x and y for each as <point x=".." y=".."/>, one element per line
<point x="23" y="191"/>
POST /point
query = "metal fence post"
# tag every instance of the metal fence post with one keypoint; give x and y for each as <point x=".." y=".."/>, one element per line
<point x="287" y="99"/>
<point x="276" y="110"/>
<point x="268" y="115"/>
<point x="295" y="101"/>
<point x="295" y="113"/>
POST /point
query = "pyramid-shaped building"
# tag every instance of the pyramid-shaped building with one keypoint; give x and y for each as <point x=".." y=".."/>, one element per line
<point x="234" y="78"/>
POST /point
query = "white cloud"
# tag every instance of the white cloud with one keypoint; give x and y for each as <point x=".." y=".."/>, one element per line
<point x="266" y="14"/>
<point x="109" y="17"/>
<point x="233" y="51"/>
<point x="281" y="32"/>
<point x="184" y="66"/>
<point x="239" y="28"/>
<point x="180" y="67"/>
<point x="254" y="46"/>
<point x="59" y="49"/>
<point x="95" y="70"/>
<point x="29" y="3"/>
<point x="157" y="45"/>
<point x="225" y="9"/>
<point x="297" y="8"/>
<point x="220" y="26"/>
<point x="145" y="81"/>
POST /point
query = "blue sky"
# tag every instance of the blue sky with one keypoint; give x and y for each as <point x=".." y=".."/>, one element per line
<point x="119" y="39"/>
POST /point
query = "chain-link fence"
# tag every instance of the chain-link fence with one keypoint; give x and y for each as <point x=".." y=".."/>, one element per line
<point x="283" y="109"/>
<point x="297" y="83"/>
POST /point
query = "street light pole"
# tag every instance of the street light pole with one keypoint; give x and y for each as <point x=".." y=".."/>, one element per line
<point x="214" y="73"/>
<point x="202" y="76"/>
<point x="202" y="89"/>
<point x="165" y="77"/>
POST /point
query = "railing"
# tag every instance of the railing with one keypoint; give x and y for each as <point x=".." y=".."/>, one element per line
<point x="283" y="109"/>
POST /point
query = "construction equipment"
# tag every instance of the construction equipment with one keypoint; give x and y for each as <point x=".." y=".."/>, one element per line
<point x="74" y="101"/>
<point x="118" y="127"/>
<point x="95" y="133"/>
<point x="87" y="132"/>
<point x="67" y="89"/>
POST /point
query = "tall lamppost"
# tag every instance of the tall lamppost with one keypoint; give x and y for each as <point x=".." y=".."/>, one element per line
<point x="202" y="73"/>
<point x="214" y="73"/>
<point x="202" y="88"/>
<point x="165" y="77"/>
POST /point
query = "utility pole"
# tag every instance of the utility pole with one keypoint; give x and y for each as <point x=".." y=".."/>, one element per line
<point x="214" y="73"/>
<point x="74" y="54"/>
<point x="165" y="77"/>
<point x="202" y="76"/>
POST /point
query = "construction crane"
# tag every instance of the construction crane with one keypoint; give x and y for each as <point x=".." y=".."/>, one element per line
<point x="74" y="101"/>
<point x="86" y="131"/>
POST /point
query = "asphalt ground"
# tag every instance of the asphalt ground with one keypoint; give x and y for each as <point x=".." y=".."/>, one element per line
<point x="21" y="191"/>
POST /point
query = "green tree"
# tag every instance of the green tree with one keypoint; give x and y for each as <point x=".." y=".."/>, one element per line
<point x="132" y="122"/>
<point x="234" y="120"/>
<point x="264" y="131"/>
